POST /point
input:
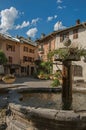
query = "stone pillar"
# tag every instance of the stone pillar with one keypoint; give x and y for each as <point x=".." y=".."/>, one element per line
<point x="67" y="85"/>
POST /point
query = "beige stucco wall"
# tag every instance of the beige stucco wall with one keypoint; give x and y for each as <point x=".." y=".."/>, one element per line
<point x="17" y="55"/>
<point x="14" y="54"/>
<point x="27" y="54"/>
<point x="80" y="42"/>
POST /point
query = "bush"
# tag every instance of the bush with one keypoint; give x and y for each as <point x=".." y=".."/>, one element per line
<point x="55" y="83"/>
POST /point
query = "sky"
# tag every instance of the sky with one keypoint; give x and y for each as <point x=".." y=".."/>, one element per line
<point x="31" y="18"/>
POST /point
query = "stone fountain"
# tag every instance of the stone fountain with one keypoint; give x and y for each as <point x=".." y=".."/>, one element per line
<point x="26" y="117"/>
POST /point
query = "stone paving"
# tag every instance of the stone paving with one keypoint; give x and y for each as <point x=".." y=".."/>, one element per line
<point x="27" y="81"/>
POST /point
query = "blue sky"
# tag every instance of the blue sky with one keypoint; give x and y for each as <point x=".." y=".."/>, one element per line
<point x="31" y="18"/>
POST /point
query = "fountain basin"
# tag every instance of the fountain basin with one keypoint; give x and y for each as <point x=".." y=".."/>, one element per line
<point x="51" y="98"/>
<point x="32" y="112"/>
<point x="31" y="118"/>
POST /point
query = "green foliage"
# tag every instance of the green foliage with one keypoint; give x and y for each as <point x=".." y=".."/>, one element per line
<point x="35" y="74"/>
<point x="3" y="58"/>
<point x="43" y="75"/>
<point x="46" y="66"/>
<point x="55" y="83"/>
<point x="58" y="74"/>
<point x="66" y="53"/>
<point x="44" y="69"/>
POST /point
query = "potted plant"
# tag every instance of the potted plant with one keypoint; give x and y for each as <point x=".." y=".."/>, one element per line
<point x="8" y="78"/>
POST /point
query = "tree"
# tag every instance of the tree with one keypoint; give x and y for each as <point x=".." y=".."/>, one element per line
<point x="3" y="58"/>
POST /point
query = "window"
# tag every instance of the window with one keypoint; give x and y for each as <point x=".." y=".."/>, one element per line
<point x="25" y="49"/>
<point x="63" y="36"/>
<point x="23" y="69"/>
<point x="31" y="50"/>
<point x="10" y="59"/>
<point x="77" y="70"/>
<point x="50" y="46"/>
<point x="75" y="34"/>
<point x="30" y="59"/>
<point x="25" y="58"/>
<point x="10" y="47"/>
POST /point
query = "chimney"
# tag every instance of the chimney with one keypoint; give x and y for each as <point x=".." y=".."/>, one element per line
<point x="29" y="38"/>
<point x="77" y="21"/>
<point x="17" y="36"/>
<point x="42" y="35"/>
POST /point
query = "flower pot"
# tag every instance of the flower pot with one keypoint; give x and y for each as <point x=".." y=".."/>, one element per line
<point x="8" y="79"/>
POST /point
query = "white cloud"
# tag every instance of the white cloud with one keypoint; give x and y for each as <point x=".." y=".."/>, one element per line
<point x="7" y="19"/>
<point x="34" y="21"/>
<point x="23" y="25"/>
<point x="55" y="16"/>
<point x="50" y="18"/>
<point x="59" y="26"/>
<point x="32" y="32"/>
<point x="59" y="1"/>
<point x="21" y="13"/>
<point x="61" y="7"/>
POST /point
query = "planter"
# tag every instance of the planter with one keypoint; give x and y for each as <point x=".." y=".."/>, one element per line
<point x="8" y="79"/>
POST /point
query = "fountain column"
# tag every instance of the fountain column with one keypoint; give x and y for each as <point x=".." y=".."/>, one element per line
<point x="67" y="85"/>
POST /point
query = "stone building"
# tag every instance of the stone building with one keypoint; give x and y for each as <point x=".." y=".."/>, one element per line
<point x="20" y="53"/>
<point x="77" y="35"/>
<point x="27" y="56"/>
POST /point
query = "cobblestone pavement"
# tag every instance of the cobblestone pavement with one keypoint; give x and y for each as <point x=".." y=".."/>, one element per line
<point x="32" y="82"/>
<point x="27" y="81"/>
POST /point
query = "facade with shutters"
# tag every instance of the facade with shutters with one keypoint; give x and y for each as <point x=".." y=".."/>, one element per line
<point x="77" y="35"/>
<point x="20" y="53"/>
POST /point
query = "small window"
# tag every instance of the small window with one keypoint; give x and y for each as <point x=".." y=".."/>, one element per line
<point x="25" y="58"/>
<point x="75" y="34"/>
<point x="63" y="36"/>
<point x="77" y="70"/>
<point x="50" y="46"/>
<point x="10" y="59"/>
<point x="31" y="50"/>
<point x="25" y="49"/>
<point x="10" y="47"/>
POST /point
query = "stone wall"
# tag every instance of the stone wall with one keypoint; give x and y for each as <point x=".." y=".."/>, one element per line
<point x="27" y="118"/>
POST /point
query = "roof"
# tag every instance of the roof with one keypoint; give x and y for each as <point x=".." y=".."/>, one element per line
<point x="27" y="41"/>
<point x="8" y="37"/>
<point x="18" y="39"/>
<point x="61" y="31"/>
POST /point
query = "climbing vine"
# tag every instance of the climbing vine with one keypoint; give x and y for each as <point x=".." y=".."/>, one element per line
<point x="67" y="53"/>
